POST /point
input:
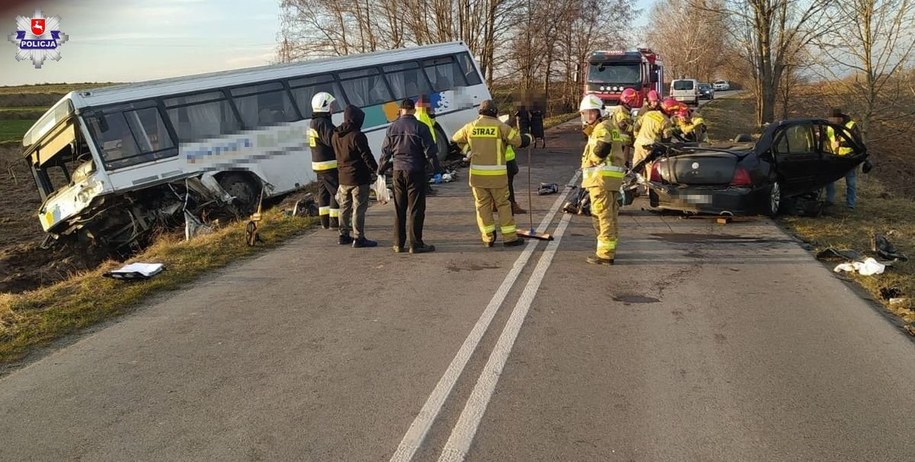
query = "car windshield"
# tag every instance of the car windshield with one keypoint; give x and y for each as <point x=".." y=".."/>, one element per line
<point x="614" y="73"/>
<point x="683" y="85"/>
<point x="704" y="86"/>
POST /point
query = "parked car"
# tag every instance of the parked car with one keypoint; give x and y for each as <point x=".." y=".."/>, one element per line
<point x="792" y="158"/>
<point x="722" y="85"/>
<point x="685" y="90"/>
<point x="706" y="91"/>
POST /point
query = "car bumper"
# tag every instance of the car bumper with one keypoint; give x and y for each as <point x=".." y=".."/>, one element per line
<point x="686" y="98"/>
<point x="708" y="199"/>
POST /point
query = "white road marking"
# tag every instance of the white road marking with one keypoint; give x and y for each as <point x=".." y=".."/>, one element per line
<point x="462" y="435"/>
<point x="415" y="435"/>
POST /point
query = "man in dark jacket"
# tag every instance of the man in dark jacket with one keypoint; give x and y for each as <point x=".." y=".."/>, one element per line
<point x="356" y="165"/>
<point x="323" y="159"/>
<point x="408" y="142"/>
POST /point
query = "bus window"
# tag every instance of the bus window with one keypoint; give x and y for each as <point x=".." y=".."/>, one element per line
<point x="264" y="104"/>
<point x="305" y="88"/>
<point x="113" y="136"/>
<point x="443" y="73"/>
<point x="407" y="80"/>
<point x="468" y="69"/>
<point x="202" y="115"/>
<point x="365" y="87"/>
<point x="128" y="136"/>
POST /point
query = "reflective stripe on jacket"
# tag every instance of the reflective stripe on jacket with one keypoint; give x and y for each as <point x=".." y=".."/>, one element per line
<point x="488" y="139"/>
<point x="608" y="172"/>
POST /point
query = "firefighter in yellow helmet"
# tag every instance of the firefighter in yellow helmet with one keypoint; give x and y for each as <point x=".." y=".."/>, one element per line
<point x="488" y="138"/>
<point x="602" y="168"/>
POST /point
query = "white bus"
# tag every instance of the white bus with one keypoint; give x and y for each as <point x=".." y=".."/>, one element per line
<point x="112" y="162"/>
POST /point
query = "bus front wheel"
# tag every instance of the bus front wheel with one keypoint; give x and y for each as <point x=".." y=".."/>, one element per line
<point x="244" y="188"/>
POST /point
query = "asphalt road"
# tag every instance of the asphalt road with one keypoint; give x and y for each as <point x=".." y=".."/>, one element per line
<point x="705" y="342"/>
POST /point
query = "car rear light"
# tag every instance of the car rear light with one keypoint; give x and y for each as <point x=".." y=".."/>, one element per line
<point x="656" y="172"/>
<point x="741" y="177"/>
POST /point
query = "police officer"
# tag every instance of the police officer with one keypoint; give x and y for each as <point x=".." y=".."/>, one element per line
<point x="602" y="166"/>
<point x="488" y="139"/>
<point x="324" y="161"/>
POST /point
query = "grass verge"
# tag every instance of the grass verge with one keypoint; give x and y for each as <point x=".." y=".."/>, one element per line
<point x="879" y="210"/>
<point x="36" y="318"/>
<point x="14" y="129"/>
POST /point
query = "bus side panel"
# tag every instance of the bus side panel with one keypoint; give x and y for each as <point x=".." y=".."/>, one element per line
<point x="278" y="155"/>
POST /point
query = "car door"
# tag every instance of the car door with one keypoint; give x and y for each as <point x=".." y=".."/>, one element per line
<point x="798" y="160"/>
<point x="835" y="166"/>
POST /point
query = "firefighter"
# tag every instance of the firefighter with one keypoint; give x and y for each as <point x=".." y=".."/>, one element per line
<point x="655" y="128"/>
<point x="602" y="167"/>
<point x="324" y="161"/>
<point x="487" y="138"/>
<point x="622" y="117"/>
<point x="690" y="126"/>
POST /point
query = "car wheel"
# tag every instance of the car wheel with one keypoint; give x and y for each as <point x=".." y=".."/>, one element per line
<point x="774" y="199"/>
<point x="243" y="188"/>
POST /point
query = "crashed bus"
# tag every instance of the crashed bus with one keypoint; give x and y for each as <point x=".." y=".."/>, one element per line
<point x="111" y="164"/>
<point x="610" y="72"/>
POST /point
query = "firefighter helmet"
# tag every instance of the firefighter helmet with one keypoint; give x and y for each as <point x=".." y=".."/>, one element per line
<point x="591" y="102"/>
<point x="321" y="101"/>
<point x="629" y="97"/>
<point x="653" y="97"/>
<point x="670" y="106"/>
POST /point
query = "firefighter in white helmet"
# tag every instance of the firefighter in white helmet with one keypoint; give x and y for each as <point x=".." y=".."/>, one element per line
<point x="324" y="161"/>
<point x="602" y="167"/>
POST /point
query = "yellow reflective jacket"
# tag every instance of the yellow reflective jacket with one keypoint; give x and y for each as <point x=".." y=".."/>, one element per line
<point x="423" y="116"/>
<point x="488" y="139"/>
<point x="606" y="173"/>
<point x="654" y="127"/>
<point x="835" y="142"/>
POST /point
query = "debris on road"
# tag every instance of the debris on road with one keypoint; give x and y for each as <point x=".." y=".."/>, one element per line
<point x="838" y="254"/>
<point x="547" y="188"/>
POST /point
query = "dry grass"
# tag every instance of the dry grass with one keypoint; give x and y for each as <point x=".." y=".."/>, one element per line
<point x="884" y="206"/>
<point x="38" y="317"/>
<point x="13" y="130"/>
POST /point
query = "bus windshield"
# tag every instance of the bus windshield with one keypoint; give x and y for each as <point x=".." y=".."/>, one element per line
<point x="625" y="73"/>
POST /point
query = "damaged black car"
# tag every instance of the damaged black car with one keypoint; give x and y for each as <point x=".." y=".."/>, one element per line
<point x="793" y="159"/>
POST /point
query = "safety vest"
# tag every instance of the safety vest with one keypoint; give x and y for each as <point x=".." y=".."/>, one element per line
<point x="606" y="173"/>
<point x="488" y="139"/>
<point x="834" y="140"/>
<point x="423" y="116"/>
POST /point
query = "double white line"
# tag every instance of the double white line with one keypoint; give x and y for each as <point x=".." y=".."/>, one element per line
<point x="462" y="435"/>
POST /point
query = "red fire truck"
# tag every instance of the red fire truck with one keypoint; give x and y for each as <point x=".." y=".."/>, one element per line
<point x="609" y="72"/>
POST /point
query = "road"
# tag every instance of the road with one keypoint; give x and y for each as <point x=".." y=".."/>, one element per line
<point x="704" y="342"/>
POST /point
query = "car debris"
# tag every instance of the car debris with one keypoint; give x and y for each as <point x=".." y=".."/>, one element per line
<point x="135" y="271"/>
<point x="838" y="254"/>
<point x="886" y="250"/>
<point x="547" y="188"/>
<point x="868" y="267"/>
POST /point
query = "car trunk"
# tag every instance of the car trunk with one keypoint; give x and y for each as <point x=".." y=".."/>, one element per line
<point x="704" y="169"/>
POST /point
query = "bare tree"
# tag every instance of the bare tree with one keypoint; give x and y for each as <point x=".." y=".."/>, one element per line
<point x="770" y="34"/>
<point x="689" y="39"/>
<point x="873" y="42"/>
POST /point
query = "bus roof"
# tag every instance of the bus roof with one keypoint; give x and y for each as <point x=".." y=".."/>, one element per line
<point x="177" y="85"/>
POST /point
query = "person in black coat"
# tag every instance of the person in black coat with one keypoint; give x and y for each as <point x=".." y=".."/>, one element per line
<point x="356" y="165"/>
<point x="409" y="147"/>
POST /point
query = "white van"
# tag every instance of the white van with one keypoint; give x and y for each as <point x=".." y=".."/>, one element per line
<point x="685" y="90"/>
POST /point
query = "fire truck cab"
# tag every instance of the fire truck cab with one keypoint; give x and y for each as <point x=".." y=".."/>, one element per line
<point x="610" y="72"/>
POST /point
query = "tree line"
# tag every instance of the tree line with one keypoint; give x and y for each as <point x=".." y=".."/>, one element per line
<point x="864" y="47"/>
<point x="536" y="45"/>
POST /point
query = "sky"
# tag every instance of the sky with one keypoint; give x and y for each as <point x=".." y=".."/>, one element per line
<point x="135" y="40"/>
